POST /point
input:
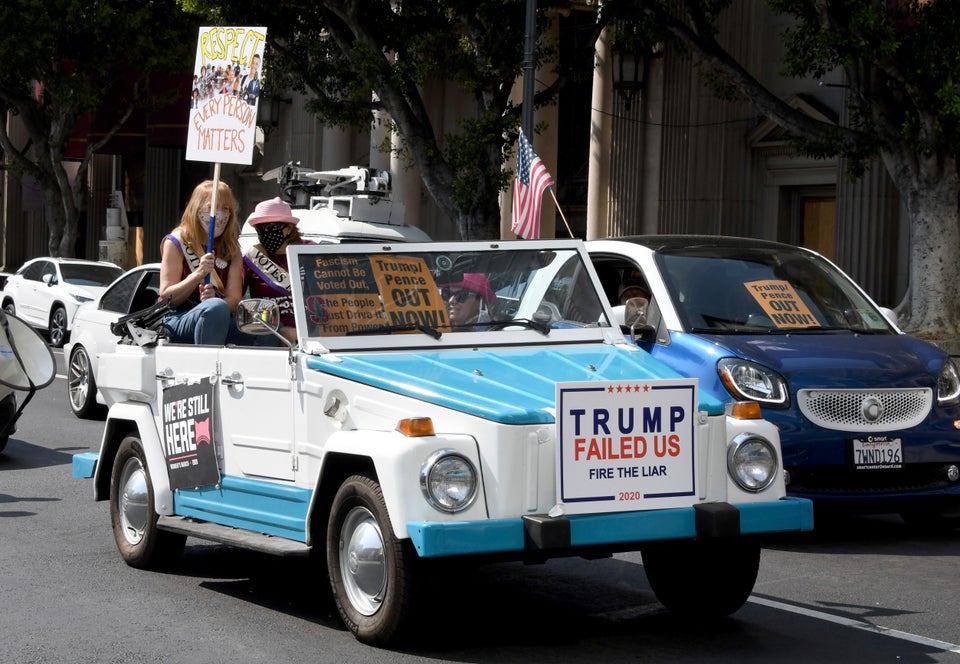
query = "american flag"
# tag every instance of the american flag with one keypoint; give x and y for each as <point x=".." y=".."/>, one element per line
<point x="532" y="180"/>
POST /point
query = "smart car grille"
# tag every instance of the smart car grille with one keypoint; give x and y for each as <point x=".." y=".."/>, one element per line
<point x="866" y="410"/>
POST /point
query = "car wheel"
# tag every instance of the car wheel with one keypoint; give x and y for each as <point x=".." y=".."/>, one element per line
<point x="10" y="308"/>
<point x="58" y="327"/>
<point x="373" y="575"/>
<point x="707" y="578"/>
<point x="81" y="384"/>
<point x="133" y="514"/>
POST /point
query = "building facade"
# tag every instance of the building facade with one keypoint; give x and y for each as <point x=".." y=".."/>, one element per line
<point x="670" y="159"/>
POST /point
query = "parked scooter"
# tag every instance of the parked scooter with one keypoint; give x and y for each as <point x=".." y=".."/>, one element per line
<point x="26" y="365"/>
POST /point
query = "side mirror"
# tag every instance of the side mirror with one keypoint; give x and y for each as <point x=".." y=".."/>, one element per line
<point x="891" y="316"/>
<point x="258" y="316"/>
<point x="49" y="279"/>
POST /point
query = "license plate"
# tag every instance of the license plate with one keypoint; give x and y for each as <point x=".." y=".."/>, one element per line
<point x="877" y="453"/>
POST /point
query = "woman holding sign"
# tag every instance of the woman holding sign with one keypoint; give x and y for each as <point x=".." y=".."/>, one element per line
<point x="201" y="309"/>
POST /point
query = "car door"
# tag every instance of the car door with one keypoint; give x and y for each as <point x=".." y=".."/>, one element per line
<point x="32" y="293"/>
<point x="47" y="291"/>
<point x="255" y="397"/>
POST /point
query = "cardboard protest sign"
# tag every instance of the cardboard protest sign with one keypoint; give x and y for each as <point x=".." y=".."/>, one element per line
<point x="188" y="444"/>
<point x="782" y="303"/>
<point x="227" y="85"/>
<point x="626" y="445"/>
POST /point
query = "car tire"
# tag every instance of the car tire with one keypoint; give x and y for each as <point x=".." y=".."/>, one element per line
<point x="705" y="578"/>
<point x="373" y="575"/>
<point x="3" y="442"/>
<point x="58" y="327"/>
<point x="81" y="384"/>
<point x="133" y="514"/>
<point x="10" y="308"/>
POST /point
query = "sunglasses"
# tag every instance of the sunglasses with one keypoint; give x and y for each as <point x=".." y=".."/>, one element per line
<point x="221" y="217"/>
<point x="459" y="295"/>
<point x="268" y="227"/>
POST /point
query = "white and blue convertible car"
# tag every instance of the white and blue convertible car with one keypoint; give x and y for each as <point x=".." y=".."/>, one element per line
<point x="400" y="431"/>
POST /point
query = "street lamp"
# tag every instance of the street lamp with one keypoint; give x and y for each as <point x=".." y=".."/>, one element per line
<point x="628" y="71"/>
<point x="268" y="111"/>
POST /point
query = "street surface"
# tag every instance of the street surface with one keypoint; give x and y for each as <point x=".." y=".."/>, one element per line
<point x="858" y="590"/>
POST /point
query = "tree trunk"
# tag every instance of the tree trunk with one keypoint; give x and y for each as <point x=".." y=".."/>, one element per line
<point x="932" y="309"/>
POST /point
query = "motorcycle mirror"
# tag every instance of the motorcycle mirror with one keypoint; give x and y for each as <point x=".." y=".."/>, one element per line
<point x="26" y="362"/>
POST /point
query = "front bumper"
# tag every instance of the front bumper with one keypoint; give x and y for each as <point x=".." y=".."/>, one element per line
<point x="540" y="535"/>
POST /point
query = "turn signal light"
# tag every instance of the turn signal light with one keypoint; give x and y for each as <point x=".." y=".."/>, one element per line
<point x="416" y="426"/>
<point x="746" y="410"/>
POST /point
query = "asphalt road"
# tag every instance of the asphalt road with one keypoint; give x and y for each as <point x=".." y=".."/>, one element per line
<point x="859" y="590"/>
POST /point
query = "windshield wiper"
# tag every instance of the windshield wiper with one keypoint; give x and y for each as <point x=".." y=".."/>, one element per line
<point x="539" y="326"/>
<point x="389" y="329"/>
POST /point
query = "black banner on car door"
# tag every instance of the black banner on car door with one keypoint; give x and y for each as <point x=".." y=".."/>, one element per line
<point x="188" y="435"/>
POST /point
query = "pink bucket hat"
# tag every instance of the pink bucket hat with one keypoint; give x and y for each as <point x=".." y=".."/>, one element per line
<point x="476" y="282"/>
<point x="273" y="210"/>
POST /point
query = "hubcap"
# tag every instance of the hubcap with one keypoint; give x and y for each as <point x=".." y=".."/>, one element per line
<point x="78" y="379"/>
<point x="362" y="563"/>
<point x="134" y="501"/>
<point x="58" y="327"/>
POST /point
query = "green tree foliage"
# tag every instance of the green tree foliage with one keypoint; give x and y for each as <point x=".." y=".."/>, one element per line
<point x="62" y="60"/>
<point x="338" y="51"/>
<point x="901" y="64"/>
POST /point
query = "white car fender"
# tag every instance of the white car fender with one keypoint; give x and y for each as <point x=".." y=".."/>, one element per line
<point x="398" y="460"/>
<point x="122" y="418"/>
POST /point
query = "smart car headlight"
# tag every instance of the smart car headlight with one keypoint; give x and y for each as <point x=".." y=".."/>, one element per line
<point x="752" y="462"/>
<point x="948" y="384"/>
<point x="448" y="481"/>
<point x="753" y="382"/>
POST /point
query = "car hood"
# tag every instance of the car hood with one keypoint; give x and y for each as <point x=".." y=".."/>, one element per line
<point x="510" y="386"/>
<point x="838" y="360"/>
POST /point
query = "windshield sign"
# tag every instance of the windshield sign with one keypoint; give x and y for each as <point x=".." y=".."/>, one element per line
<point x="368" y="290"/>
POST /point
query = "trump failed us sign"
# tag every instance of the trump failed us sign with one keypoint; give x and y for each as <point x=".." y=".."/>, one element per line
<point x="626" y="445"/>
<point x="227" y="85"/>
<point x="188" y="435"/>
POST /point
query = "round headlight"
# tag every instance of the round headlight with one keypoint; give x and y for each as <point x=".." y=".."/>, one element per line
<point x="752" y="462"/>
<point x="448" y="481"/>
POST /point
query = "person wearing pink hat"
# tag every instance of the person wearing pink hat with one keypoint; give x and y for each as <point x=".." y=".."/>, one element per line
<point x="468" y="300"/>
<point x="265" y="264"/>
<point x="201" y="309"/>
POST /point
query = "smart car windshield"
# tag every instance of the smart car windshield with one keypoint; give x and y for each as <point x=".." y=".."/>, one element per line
<point x="352" y="291"/>
<point x="730" y="290"/>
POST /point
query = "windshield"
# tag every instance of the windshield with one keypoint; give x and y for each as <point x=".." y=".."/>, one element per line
<point x="349" y="291"/>
<point x="747" y="290"/>
<point x="80" y="274"/>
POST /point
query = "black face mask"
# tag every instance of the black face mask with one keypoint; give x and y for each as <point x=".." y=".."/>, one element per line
<point x="271" y="236"/>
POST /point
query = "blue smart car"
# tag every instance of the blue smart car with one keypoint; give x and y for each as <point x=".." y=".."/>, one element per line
<point x="868" y="416"/>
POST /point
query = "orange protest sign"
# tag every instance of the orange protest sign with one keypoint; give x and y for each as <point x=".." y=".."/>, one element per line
<point x="782" y="303"/>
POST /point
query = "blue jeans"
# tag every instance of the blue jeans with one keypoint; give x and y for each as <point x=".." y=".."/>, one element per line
<point x="208" y="323"/>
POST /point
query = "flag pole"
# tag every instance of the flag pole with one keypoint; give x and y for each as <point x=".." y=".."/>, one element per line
<point x="560" y="210"/>
<point x="529" y="87"/>
<point x="212" y="228"/>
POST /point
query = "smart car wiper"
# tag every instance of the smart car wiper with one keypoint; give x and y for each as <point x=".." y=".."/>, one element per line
<point x="390" y="329"/>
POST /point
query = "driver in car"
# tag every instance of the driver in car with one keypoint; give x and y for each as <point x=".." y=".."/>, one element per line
<point x="468" y="301"/>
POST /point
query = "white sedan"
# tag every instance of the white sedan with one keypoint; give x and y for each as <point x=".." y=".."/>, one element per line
<point x="46" y="292"/>
<point x="134" y="290"/>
